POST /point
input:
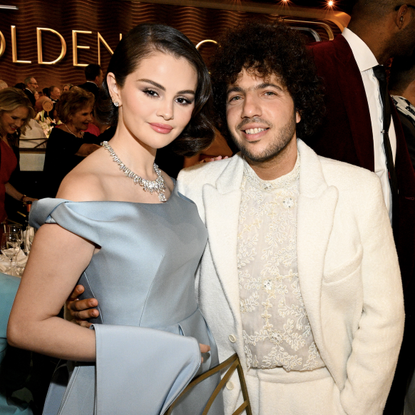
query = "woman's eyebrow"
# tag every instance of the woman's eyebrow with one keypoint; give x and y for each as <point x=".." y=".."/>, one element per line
<point x="157" y="85"/>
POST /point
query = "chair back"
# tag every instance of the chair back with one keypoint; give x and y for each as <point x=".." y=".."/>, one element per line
<point x="227" y="367"/>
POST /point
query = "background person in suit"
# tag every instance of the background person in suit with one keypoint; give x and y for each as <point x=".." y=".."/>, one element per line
<point x="94" y="78"/>
<point x="30" y="89"/>
<point x="402" y="88"/>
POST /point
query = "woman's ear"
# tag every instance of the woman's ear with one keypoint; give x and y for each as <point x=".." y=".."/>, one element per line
<point x="113" y="89"/>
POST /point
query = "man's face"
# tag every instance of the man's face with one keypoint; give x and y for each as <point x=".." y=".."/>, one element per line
<point x="32" y="85"/>
<point x="55" y="93"/>
<point x="261" y="116"/>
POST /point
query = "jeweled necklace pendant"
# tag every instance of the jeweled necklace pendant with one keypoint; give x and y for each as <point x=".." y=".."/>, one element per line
<point x="151" y="186"/>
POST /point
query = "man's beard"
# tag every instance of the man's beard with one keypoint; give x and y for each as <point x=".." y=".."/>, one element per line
<point x="282" y="138"/>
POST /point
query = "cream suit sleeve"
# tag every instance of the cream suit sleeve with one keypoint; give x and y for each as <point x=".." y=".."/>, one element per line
<point x="376" y="339"/>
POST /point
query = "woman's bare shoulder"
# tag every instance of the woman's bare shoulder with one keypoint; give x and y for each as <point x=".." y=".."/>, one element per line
<point x="86" y="182"/>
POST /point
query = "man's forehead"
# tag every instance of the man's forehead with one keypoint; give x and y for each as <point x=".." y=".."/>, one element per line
<point x="253" y="77"/>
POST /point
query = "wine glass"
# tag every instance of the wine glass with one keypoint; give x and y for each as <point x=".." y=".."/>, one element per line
<point x="11" y="241"/>
<point x="6" y="250"/>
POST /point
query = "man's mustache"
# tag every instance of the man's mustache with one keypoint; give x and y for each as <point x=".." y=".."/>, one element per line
<point x="258" y="120"/>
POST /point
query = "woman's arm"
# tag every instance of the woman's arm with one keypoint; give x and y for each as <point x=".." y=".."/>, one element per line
<point x="86" y="149"/>
<point x="57" y="259"/>
<point x="15" y="194"/>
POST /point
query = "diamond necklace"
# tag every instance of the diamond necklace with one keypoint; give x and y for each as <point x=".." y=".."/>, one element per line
<point x="151" y="186"/>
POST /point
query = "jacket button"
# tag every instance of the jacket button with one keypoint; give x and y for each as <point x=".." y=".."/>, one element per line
<point x="232" y="338"/>
<point x="229" y="385"/>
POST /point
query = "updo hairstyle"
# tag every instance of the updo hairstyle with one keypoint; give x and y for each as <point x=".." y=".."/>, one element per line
<point x="140" y="43"/>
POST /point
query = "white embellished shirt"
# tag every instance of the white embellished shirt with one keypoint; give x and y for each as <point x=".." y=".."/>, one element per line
<point x="276" y="330"/>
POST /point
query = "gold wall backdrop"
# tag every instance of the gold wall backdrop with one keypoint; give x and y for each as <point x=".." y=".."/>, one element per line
<point x="109" y="19"/>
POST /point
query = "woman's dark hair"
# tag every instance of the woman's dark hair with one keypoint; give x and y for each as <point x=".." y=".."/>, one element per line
<point x="72" y="101"/>
<point x="137" y="45"/>
<point x="266" y="50"/>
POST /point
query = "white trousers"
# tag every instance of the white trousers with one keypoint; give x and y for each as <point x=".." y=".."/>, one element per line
<point x="277" y="392"/>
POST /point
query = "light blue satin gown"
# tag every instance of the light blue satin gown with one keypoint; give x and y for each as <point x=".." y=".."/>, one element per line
<point x="150" y="324"/>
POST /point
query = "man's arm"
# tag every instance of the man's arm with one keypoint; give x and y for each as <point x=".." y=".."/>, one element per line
<point x="377" y="340"/>
<point x="79" y="311"/>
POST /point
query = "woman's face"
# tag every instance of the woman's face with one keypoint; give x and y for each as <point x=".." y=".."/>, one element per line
<point x="81" y="118"/>
<point x="11" y="121"/>
<point x="157" y="99"/>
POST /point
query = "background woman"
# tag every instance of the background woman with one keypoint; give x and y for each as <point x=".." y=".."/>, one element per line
<point x="15" y="113"/>
<point x="68" y="142"/>
<point x="121" y="224"/>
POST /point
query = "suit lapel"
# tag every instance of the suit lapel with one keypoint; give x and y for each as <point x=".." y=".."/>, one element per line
<point x="355" y="102"/>
<point x="222" y="203"/>
<point x="316" y="207"/>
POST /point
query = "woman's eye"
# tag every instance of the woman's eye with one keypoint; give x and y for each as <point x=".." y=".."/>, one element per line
<point x="150" y="93"/>
<point x="184" y="101"/>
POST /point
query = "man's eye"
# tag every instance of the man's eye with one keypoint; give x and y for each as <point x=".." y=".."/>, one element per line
<point x="234" y="98"/>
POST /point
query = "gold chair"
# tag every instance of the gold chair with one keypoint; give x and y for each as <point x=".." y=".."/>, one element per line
<point x="229" y="365"/>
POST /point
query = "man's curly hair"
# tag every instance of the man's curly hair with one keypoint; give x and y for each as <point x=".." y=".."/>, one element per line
<point x="267" y="49"/>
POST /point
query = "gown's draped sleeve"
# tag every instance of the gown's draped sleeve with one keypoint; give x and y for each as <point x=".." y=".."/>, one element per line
<point x="162" y="367"/>
<point x="137" y="370"/>
<point x="81" y="218"/>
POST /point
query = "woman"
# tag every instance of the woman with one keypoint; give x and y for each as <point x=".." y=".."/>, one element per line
<point x="68" y="142"/>
<point x="135" y="240"/>
<point x="15" y="114"/>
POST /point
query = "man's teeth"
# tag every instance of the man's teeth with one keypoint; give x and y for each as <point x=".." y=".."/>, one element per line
<point x="254" y="130"/>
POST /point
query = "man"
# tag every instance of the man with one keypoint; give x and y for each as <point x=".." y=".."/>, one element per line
<point x="94" y="78"/>
<point x="55" y="93"/>
<point x="352" y="130"/>
<point x="402" y="88"/>
<point x="31" y="87"/>
<point x="300" y="275"/>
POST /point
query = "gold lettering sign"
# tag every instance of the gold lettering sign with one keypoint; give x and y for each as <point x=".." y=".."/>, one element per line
<point x="14" y="46"/>
<point x="101" y="39"/>
<point x="2" y="44"/>
<point x="75" y="46"/>
<point x="63" y="51"/>
<point x="39" y="46"/>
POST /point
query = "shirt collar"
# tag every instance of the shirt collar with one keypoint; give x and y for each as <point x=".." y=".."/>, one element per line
<point x="364" y="57"/>
<point x="283" y="182"/>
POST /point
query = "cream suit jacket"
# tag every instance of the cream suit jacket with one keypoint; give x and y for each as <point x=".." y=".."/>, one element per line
<point x="348" y="271"/>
